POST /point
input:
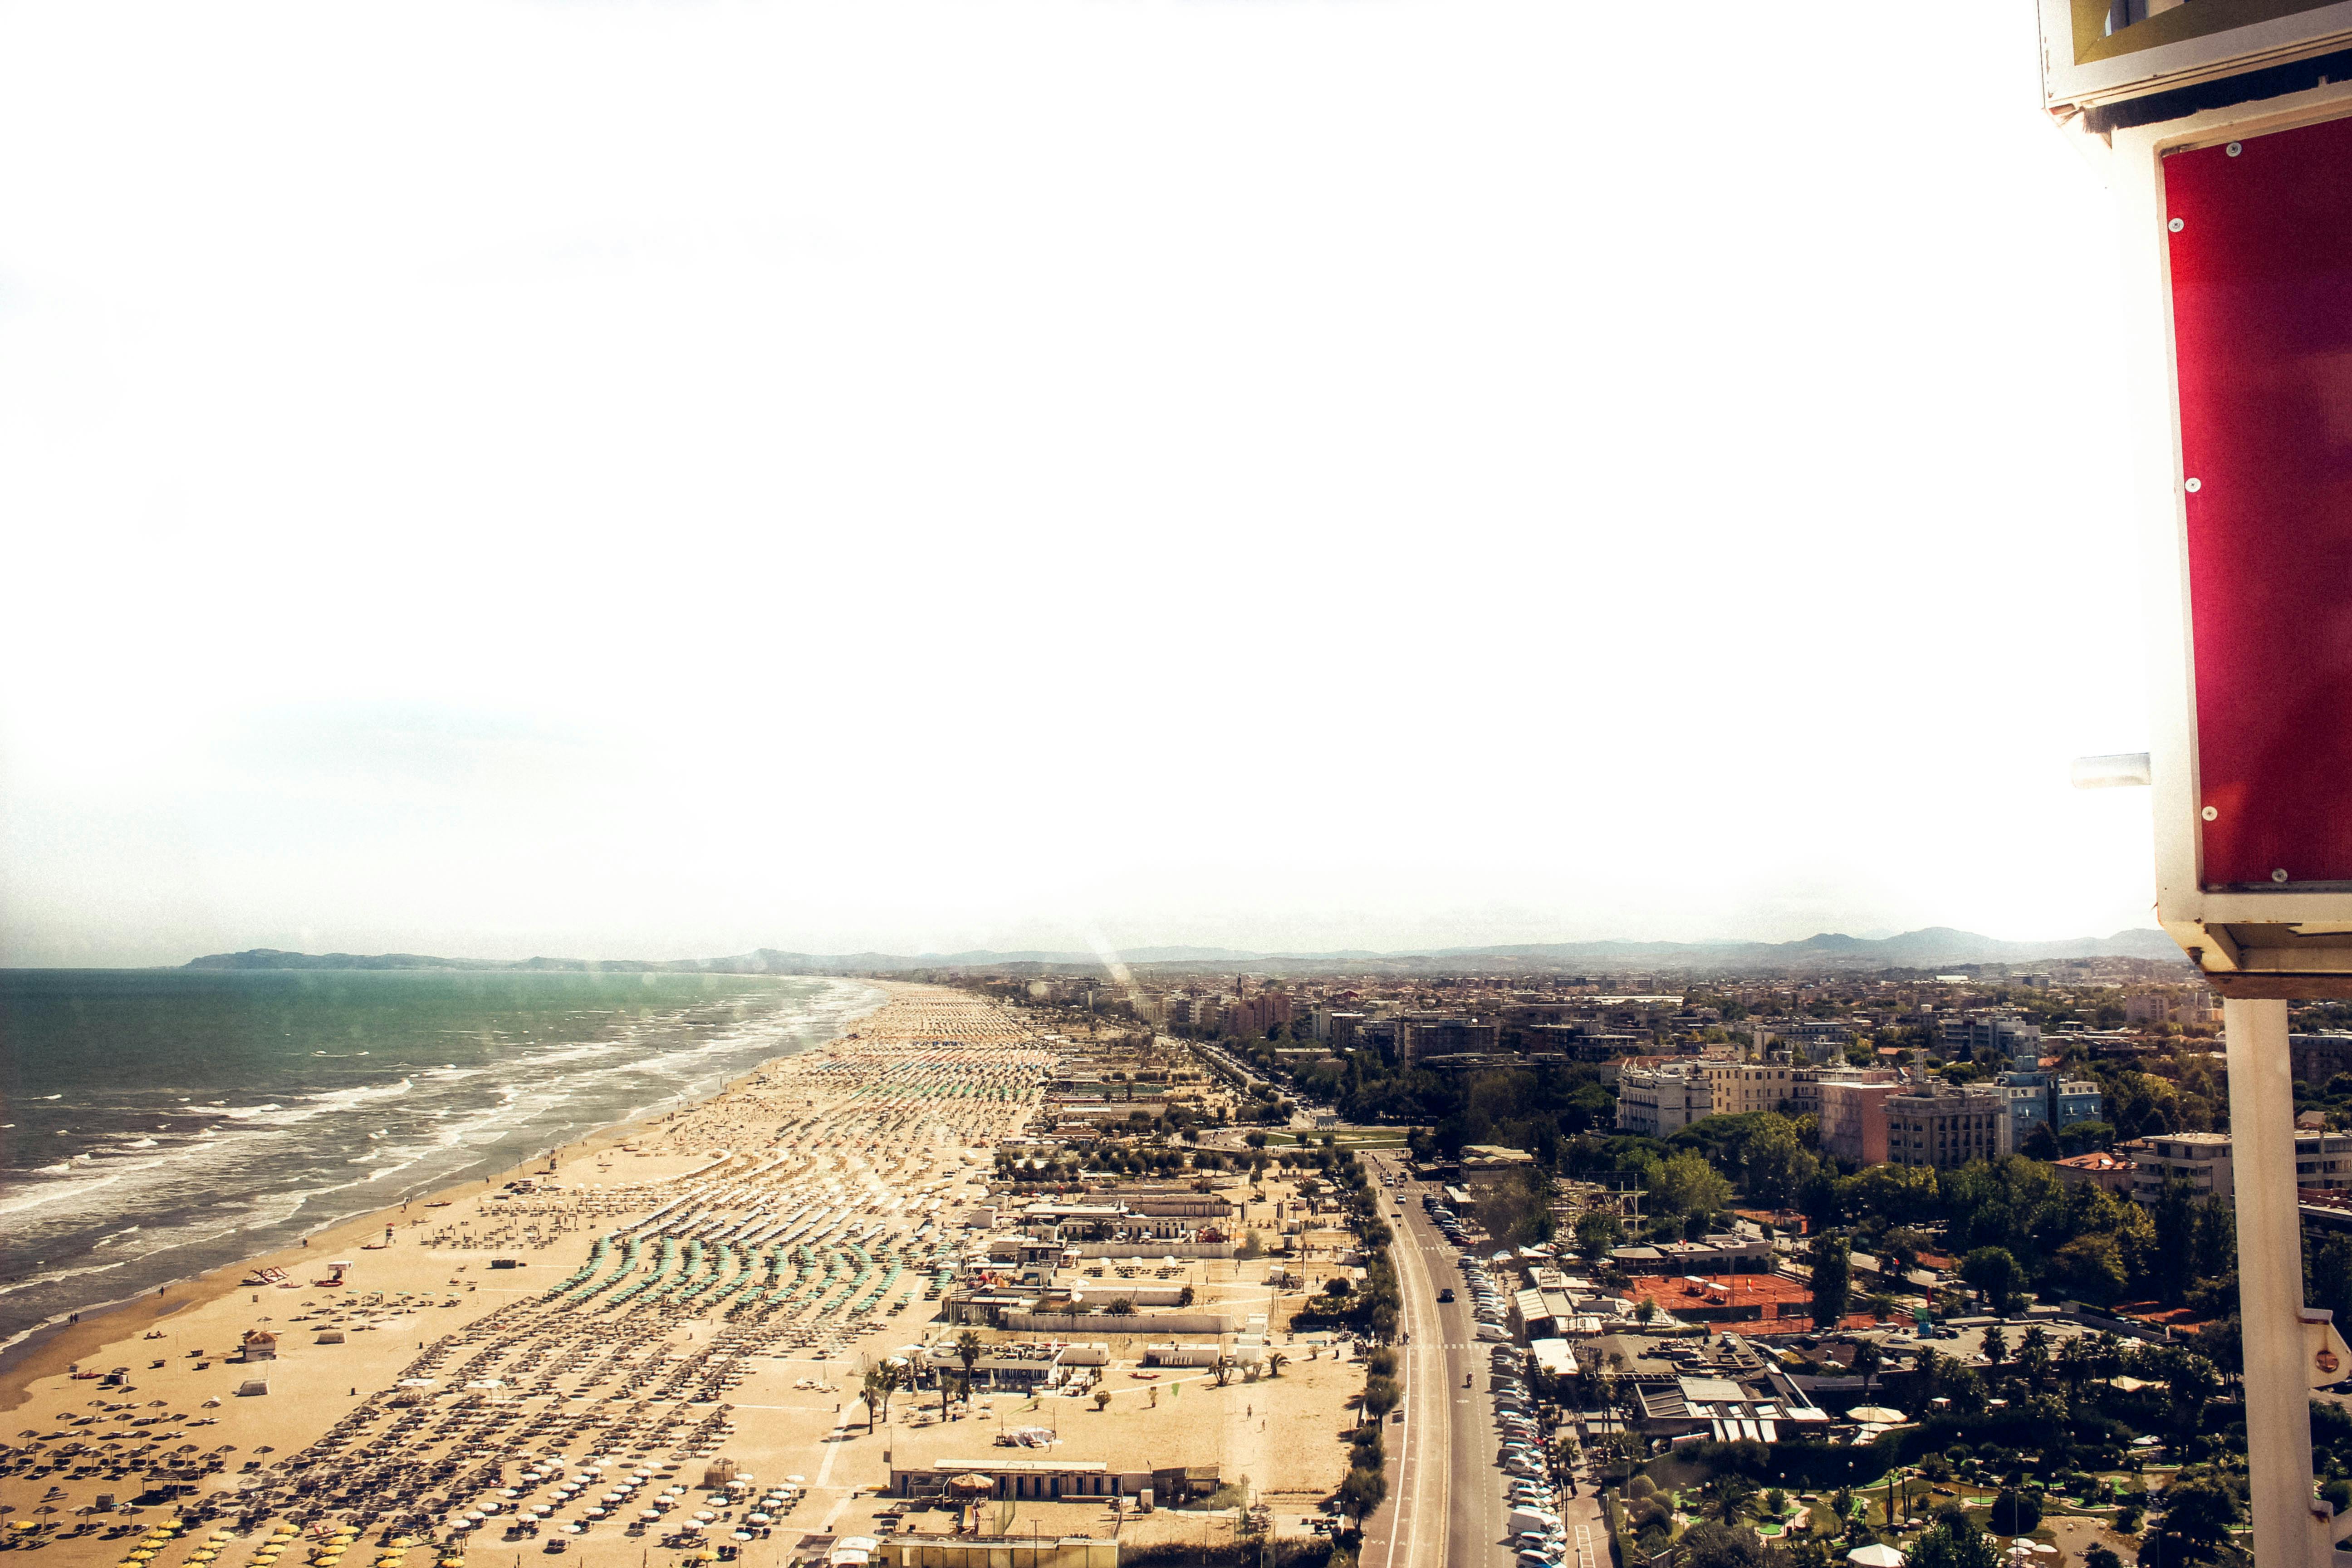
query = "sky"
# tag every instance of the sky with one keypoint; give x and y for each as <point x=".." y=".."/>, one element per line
<point x="660" y="479"/>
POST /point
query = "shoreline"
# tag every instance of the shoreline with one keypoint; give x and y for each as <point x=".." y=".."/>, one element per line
<point x="50" y="1348"/>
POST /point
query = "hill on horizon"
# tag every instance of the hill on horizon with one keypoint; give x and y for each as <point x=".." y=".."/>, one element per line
<point x="1931" y="947"/>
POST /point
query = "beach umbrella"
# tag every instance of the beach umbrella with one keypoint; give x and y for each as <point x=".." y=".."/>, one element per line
<point x="1875" y="1555"/>
<point x="1877" y="1415"/>
<point x="704" y="1515"/>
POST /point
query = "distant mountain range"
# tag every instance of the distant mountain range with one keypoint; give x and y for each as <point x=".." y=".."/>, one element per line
<point x="1937" y="947"/>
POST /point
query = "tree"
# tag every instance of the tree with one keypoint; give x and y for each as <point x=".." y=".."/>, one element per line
<point x="1361" y="1493"/>
<point x="1996" y="1344"/>
<point x="2015" y="1513"/>
<point x="1954" y="1541"/>
<point x="2099" y="1554"/>
<point x="1275" y="1361"/>
<point x="1777" y="1165"/>
<point x="1102" y="1398"/>
<point x="1865" y="1363"/>
<point x="1644" y="1310"/>
<point x="1728" y="1495"/>
<point x="1599" y="1232"/>
<point x="1380" y="1396"/>
<point x="2092" y="1267"/>
<point x="2197" y="1514"/>
<point x="2193" y="1379"/>
<point x="1832" y="1279"/>
<point x="1122" y="1307"/>
<point x="874" y="1388"/>
<point x="1994" y="1270"/>
<point x="1687" y="1184"/>
<point x="1707" y="1545"/>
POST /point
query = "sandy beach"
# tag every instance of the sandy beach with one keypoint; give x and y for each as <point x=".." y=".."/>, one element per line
<point x="577" y="1343"/>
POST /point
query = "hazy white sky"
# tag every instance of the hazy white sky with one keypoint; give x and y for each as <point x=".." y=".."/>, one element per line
<point x="659" y="480"/>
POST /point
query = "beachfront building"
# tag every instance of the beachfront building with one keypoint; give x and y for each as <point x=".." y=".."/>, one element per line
<point x="1051" y="1480"/>
<point x="259" y="1344"/>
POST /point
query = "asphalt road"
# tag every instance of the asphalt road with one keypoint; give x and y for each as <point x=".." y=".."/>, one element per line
<point x="1445" y="1507"/>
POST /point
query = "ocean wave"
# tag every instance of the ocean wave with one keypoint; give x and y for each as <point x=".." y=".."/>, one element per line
<point x="53" y="1192"/>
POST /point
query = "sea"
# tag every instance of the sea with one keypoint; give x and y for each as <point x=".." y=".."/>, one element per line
<point x="159" y="1123"/>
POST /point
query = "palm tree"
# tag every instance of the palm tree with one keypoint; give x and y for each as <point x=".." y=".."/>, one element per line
<point x="1866" y="1359"/>
<point x="1996" y="1345"/>
<point x="1728" y="1495"/>
<point x="967" y="1349"/>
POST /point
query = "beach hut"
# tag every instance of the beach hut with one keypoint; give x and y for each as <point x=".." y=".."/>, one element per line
<point x="259" y="1344"/>
<point x="253" y="1387"/>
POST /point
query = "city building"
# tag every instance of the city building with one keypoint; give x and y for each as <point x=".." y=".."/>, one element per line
<point x="2323" y="1163"/>
<point x="2039" y="1099"/>
<point x="1424" y="1036"/>
<point x="2014" y="1037"/>
<point x="2318" y="1058"/>
<point x="1736" y="1088"/>
<point x="1854" y="1118"/>
<point x="1658" y="1099"/>
<point x="1944" y="1127"/>
<point x="2097" y="1169"/>
<point x="1250" y="1017"/>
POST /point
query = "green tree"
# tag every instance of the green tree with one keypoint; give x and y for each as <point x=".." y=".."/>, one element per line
<point x="1728" y="1495"/>
<point x="1995" y="1271"/>
<point x="2015" y="1513"/>
<point x="1996" y="1344"/>
<point x="2197" y="1514"/>
<point x="1380" y="1396"/>
<point x="1832" y="1279"/>
<point x="1954" y="1541"/>
<point x="2330" y="1283"/>
<point x="1776" y="1166"/>
<point x="1687" y="1184"/>
<point x="1361" y="1493"/>
<point x="1865" y="1363"/>
<point x="1599" y="1232"/>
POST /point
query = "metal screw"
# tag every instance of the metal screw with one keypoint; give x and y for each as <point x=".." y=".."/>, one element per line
<point x="2195" y="485"/>
<point x="2176" y="225"/>
<point x="2209" y="814"/>
<point x="2233" y="149"/>
<point x="2279" y="874"/>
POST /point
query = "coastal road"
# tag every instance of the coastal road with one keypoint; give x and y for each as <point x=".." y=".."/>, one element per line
<point x="1447" y="1505"/>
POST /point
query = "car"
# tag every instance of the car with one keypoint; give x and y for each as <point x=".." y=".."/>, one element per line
<point x="1446" y="1294"/>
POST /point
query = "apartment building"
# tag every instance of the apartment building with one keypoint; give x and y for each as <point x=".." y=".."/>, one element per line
<point x="2045" y="1100"/>
<point x="1944" y="1127"/>
<point x="1853" y="1117"/>
<point x="1735" y="1088"/>
<point x="2323" y="1160"/>
<point x="1422" y="1036"/>
<point x="1251" y="1016"/>
<point x="1659" y="1097"/>
<point x="2014" y="1037"/>
<point x="2318" y="1058"/>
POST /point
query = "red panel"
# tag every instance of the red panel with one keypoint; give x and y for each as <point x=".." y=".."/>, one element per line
<point x="2261" y="310"/>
